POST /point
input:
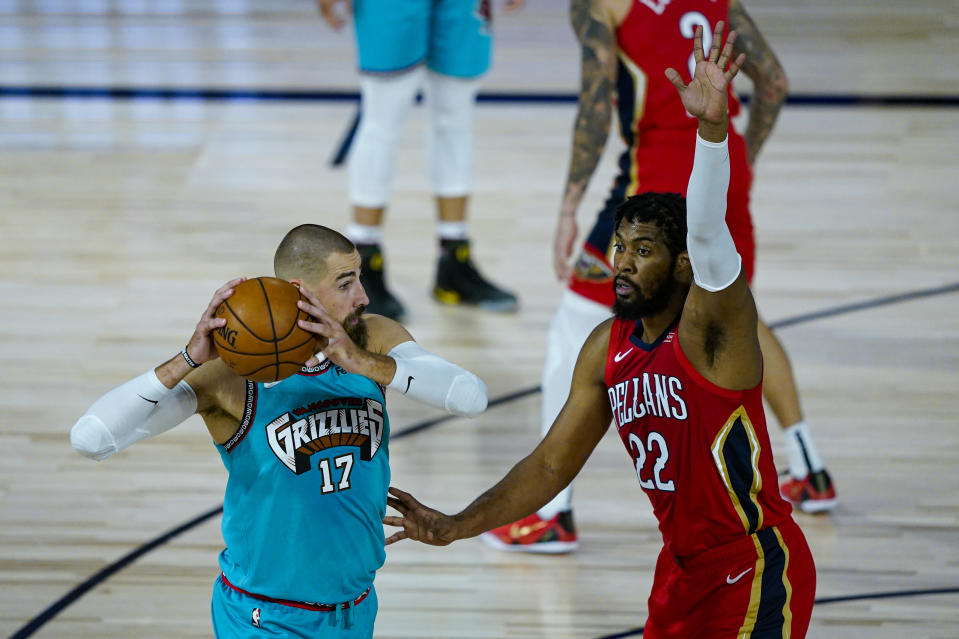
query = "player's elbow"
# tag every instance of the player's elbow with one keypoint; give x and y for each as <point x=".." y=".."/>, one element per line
<point x="91" y="438"/>
<point x="467" y="395"/>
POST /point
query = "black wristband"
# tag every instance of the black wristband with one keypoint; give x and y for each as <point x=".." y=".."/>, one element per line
<point x="189" y="360"/>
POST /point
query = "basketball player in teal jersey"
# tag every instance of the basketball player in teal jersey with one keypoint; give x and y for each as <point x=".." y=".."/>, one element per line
<point x="307" y="456"/>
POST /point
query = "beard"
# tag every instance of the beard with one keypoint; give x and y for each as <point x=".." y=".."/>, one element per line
<point x="643" y="305"/>
<point x="355" y="327"/>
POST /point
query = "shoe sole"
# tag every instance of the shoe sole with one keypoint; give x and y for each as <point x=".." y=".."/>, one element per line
<point x="813" y="506"/>
<point x="541" y="548"/>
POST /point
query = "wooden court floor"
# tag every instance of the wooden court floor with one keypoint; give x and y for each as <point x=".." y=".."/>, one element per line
<point x="118" y="218"/>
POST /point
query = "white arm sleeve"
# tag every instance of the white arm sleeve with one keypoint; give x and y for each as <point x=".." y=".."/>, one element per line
<point x="140" y="408"/>
<point x="712" y="253"/>
<point x="431" y="379"/>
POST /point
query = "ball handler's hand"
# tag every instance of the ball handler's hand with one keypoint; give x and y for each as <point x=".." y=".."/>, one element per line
<point x="332" y="338"/>
<point x="200" y="347"/>
<point x="418" y="522"/>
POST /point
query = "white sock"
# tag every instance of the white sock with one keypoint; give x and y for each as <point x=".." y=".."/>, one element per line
<point x="803" y="456"/>
<point x="364" y="234"/>
<point x="452" y="230"/>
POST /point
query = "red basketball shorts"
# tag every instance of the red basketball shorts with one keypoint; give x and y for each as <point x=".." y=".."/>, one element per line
<point x="759" y="587"/>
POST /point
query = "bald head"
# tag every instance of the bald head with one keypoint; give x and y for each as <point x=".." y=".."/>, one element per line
<point x="304" y="252"/>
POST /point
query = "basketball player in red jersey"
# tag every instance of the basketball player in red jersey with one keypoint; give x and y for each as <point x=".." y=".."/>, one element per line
<point x="626" y="46"/>
<point x="679" y="371"/>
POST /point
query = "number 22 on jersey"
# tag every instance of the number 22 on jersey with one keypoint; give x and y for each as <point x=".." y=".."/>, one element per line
<point x="655" y="442"/>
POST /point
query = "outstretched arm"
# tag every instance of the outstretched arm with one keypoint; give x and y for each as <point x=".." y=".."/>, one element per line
<point x="538" y="477"/>
<point x="157" y="400"/>
<point x="594" y="29"/>
<point x="769" y="78"/>
<point x="718" y="327"/>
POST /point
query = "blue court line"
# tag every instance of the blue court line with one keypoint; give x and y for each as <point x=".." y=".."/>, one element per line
<point x="56" y="607"/>
<point x="96" y="579"/>
<point x="867" y="304"/>
<point x="334" y="95"/>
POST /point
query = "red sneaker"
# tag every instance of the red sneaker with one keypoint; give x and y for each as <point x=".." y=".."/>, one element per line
<point x="532" y="534"/>
<point x="812" y="494"/>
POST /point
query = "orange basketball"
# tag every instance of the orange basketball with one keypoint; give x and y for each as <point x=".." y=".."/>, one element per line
<point x="261" y="340"/>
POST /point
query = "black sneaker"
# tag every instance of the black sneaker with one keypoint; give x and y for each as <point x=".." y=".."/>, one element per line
<point x="458" y="281"/>
<point x="372" y="278"/>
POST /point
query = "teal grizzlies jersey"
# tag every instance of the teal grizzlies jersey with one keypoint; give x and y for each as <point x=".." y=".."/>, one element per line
<point x="309" y="470"/>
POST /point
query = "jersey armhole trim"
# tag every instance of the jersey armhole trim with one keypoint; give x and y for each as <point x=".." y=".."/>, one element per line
<point x="249" y="412"/>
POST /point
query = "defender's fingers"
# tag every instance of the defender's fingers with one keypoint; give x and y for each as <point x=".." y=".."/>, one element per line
<point x="395" y="537"/>
<point x="393" y="502"/>
<point x="698" y="54"/>
<point x="717" y="41"/>
<point x="393" y="520"/>
<point x="734" y="67"/>
<point x="727" y="52"/>
<point x="673" y="76"/>
<point x="403" y="496"/>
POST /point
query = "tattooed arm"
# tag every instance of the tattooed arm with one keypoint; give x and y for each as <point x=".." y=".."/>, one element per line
<point x="769" y="78"/>
<point x="594" y="27"/>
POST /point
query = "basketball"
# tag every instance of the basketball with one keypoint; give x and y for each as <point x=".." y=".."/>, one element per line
<point x="261" y="340"/>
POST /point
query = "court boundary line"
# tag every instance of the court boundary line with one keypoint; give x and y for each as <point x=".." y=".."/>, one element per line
<point x="109" y="570"/>
<point x="121" y="92"/>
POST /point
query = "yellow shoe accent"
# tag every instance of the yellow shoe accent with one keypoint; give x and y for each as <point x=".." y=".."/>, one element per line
<point x="446" y="296"/>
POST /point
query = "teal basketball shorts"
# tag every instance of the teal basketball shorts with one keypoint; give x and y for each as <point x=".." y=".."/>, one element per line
<point x="451" y="37"/>
<point x="238" y="614"/>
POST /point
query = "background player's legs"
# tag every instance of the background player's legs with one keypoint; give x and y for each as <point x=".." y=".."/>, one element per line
<point x="459" y="53"/>
<point x="386" y="102"/>
<point x="392" y="41"/>
<point x="451" y="102"/>
<point x="551" y="529"/>
<point x="809" y="487"/>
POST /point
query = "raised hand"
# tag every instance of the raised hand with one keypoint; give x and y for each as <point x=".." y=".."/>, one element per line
<point x="200" y="347"/>
<point x="705" y="97"/>
<point x="418" y="522"/>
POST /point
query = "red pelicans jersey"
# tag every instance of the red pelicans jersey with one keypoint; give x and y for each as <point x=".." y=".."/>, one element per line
<point x="701" y="452"/>
<point x="660" y="136"/>
<point x="656" y="35"/>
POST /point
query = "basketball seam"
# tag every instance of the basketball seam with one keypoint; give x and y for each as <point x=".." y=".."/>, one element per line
<point x="299" y="296"/>
<point x="269" y="310"/>
<point x="242" y="323"/>
<point x="248" y="353"/>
